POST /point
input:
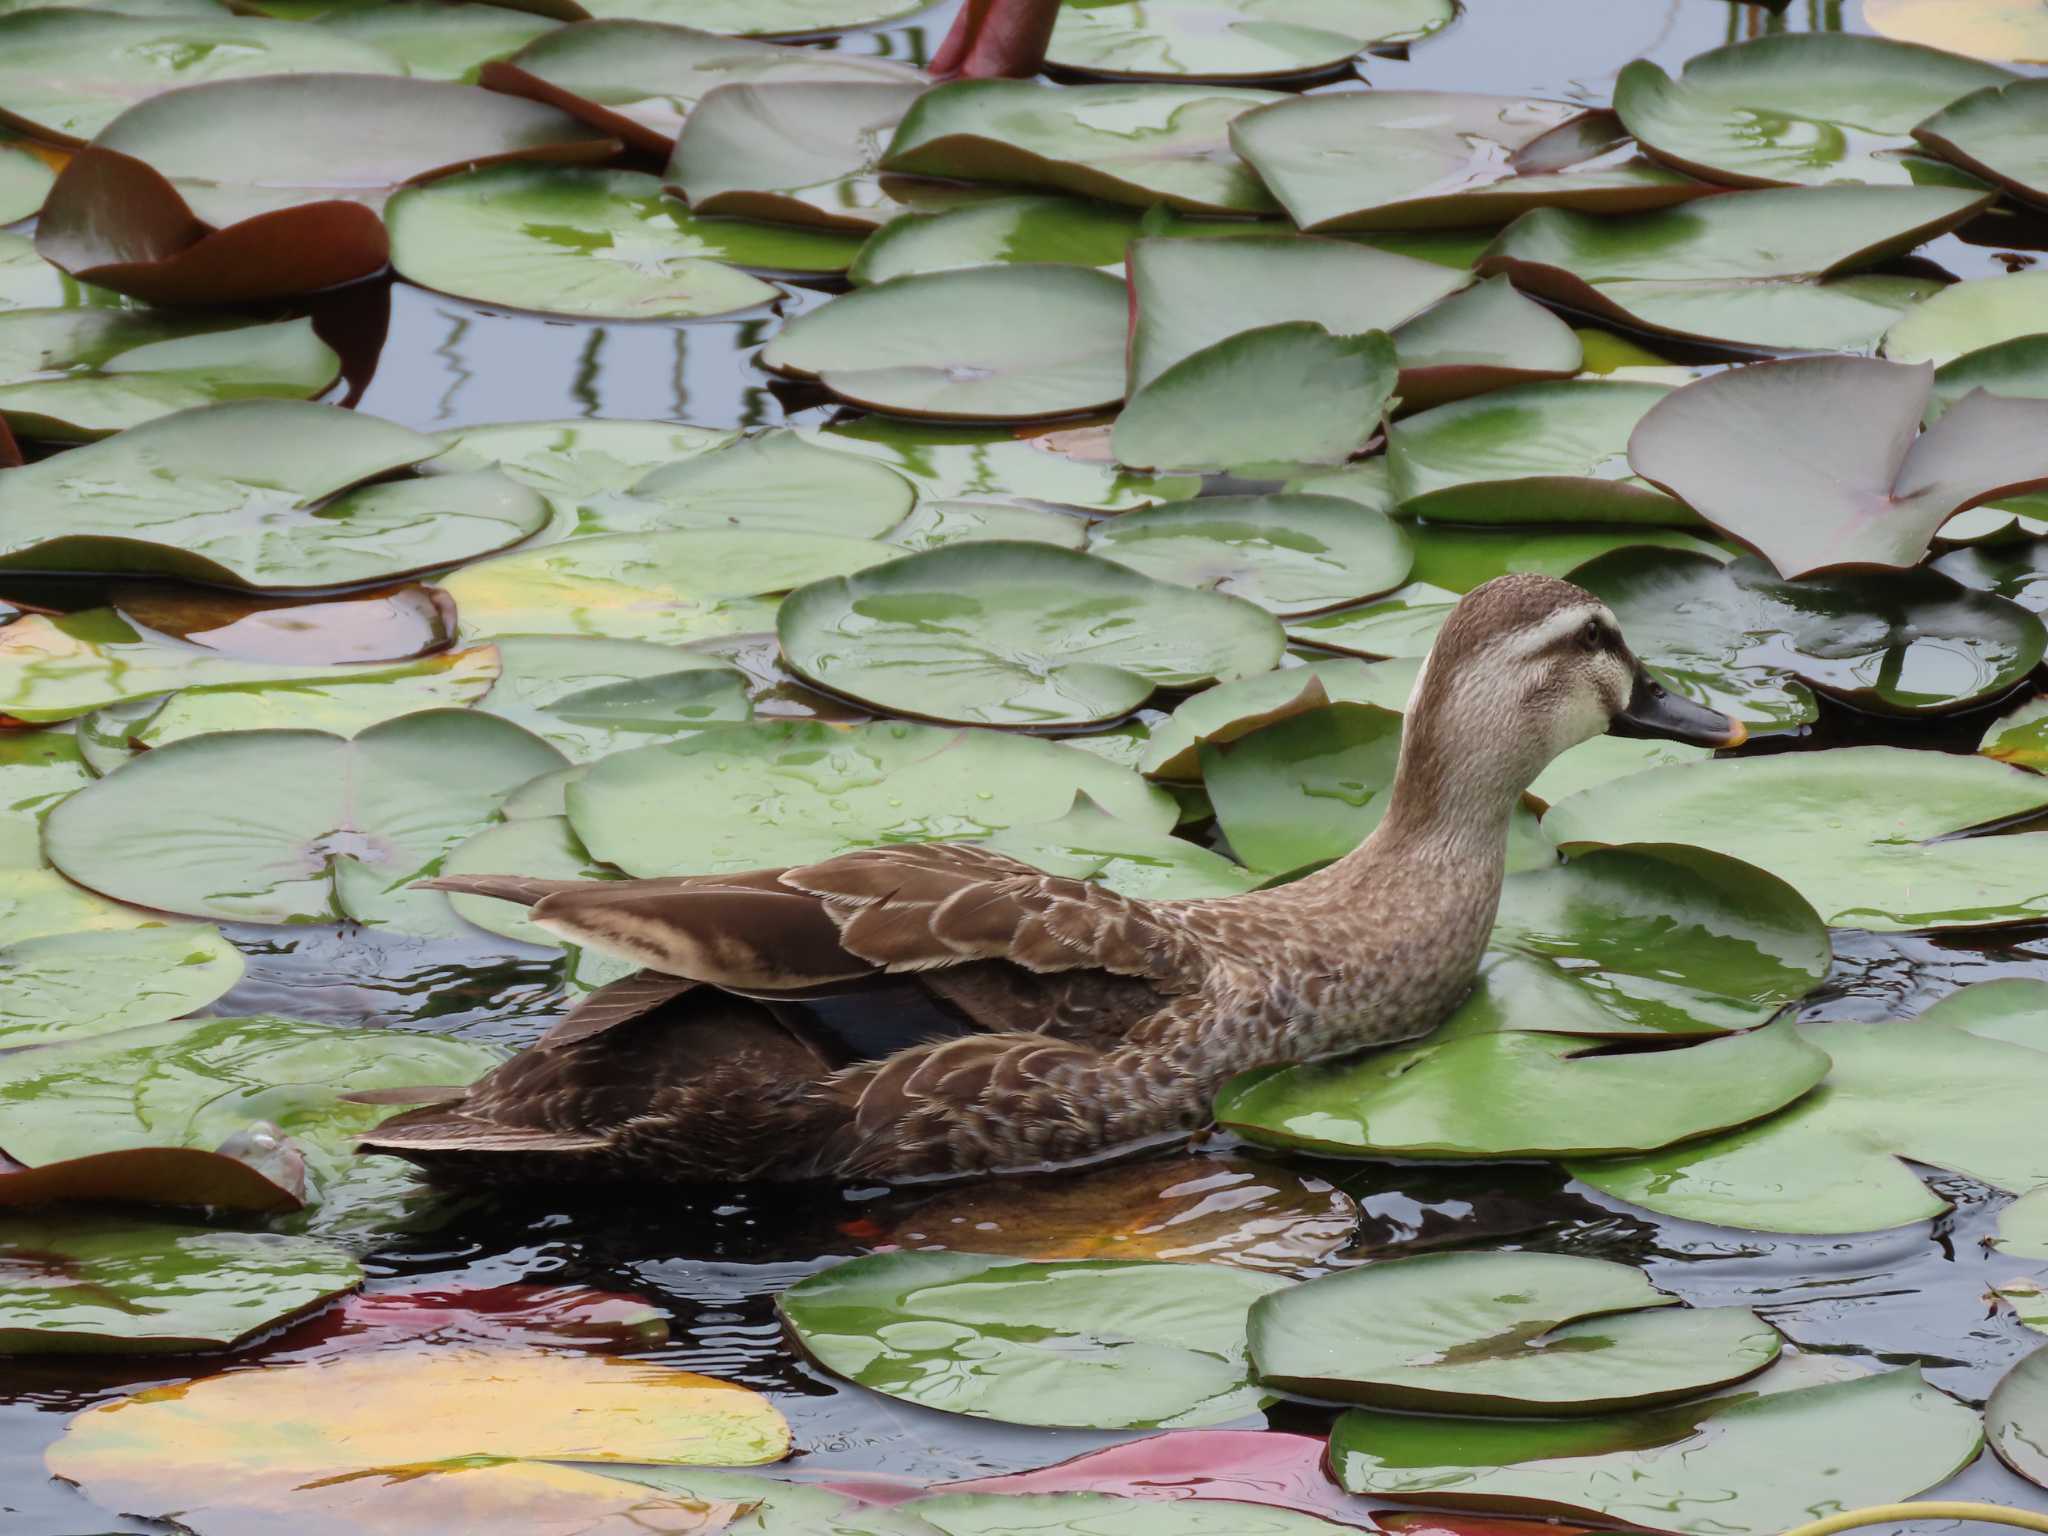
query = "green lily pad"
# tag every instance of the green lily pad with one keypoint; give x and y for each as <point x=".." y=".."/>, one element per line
<point x="1501" y="1333"/>
<point x="1319" y="401"/>
<point x="587" y="698"/>
<point x="760" y="18"/>
<point x="72" y="985"/>
<point x="1004" y="633"/>
<point x="792" y="153"/>
<point x="2020" y="738"/>
<point x="542" y="847"/>
<point x="602" y="244"/>
<point x="999" y="464"/>
<point x="1404" y="623"/>
<point x="570" y="462"/>
<point x="1749" y="1462"/>
<point x="774" y="481"/>
<point x="933" y="523"/>
<point x="439" y="41"/>
<point x="80" y="1285"/>
<point x="945" y="344"/>
<point x="1233" y="39"/>
<point x="1486" y="337"/>
<point x="2023" y="1227"/>
<point x="1753" y="269"/>
<point x="66" y="74"/>
<point x="1830" y="471"/>
<point x="668" y="587"/>
<point x="774" y="795"/>
<point x="36" y="901"/>
<point x="1135" y="144"/>
<point x="1549" y="452"/>
<point x="296" y="826"/>
<point x="1954" y="1088"/>
<point x="1029" y="227"/>
<point x="1436" y="159"/>
<point x="1092" y="1344"/>
<point x="38" y="769"/>
<point x="1230" y="710"/>
<point x="257" y="494"/>
<point x="2016" y="1418"/>
<point x="1967" y="317"/>
<point x="1136" y="861"/>
<point x="1798" y="109"/>
<point x="638" y="80"/>
<point x="1866" y="834"/>
<point x="1999" y="133"/>
<point x="24" y="182"/>
<point x="1738" y="638"/>
<point x="244" y="1114"/>
<point x="1290" y="554"/>
<point x="1106" y="1514"/>
<point x="74" y="374"/>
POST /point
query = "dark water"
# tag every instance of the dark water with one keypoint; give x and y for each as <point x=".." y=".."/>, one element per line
<point x="715" y="1262"/>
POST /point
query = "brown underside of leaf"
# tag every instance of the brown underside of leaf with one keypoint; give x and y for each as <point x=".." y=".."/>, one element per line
<point x="510" y="80"/>
<point x="149" y="1176"/>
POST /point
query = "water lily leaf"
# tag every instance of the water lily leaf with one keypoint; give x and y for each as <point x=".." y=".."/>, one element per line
<point x="773" y="795"/>
<point x="570" y="462"/>
<point x="77" y="374"/>
<point x="296" y="826"/>
<point x="1004" y="465"/>
<point x="1088" y="843"/>
<point x="1501" y="1333"/>
<point x="1431" y="159"/>
<point x="1135" y="144"/>
<point x="24" y="182"/>
<point x="1290" y="554"/>
<point x="996" y="1514"/>
<point x="776" y="480"/>
<point x="933" y="523"/>
<point x="760" y="18"/>
<point x="1753" y="269"/>
<point x="1798" y="109"/>
<point x="1869" y="835"/>
<point x="1829" y="1442"/>
<point x="1949" y="1088"/>
<point x="314" y="1444"/>
<point x="553" y="1317"/>
<point x="587" y="697"/>
<point x="1965" y="318"/>
<point x="1076" y="231"/>
<point x="245" y="1114"/>
<point x="1549" y="452"/>
<point x="71" y="985"/>
<point x="1999" y="133"/>
<point x="1486" y="337"/>
<point x="944" y="345"/>
<point x="74" y="1284"/>
<point x="1231" y="710"/>
<point x="1004" y="633"/>
<point x="637" y="80"/>
<point x="1187" y="1209"/>
<point x="781" y="1507"/>
<point x="1738" y="638"/>
<point x="543" y="847"/>
<point x="1320" y="398"/>
<point x="2016" y="1418"/>
<point x="38" y="769"/>
<point x="2023" y="1227"/>
<point x="1986" y="29"/>
<point x="1469" y="1092"/>
<point x="1235" y="39"/>
<point x="66" y="74"/>
<point x="792" y="153"/>
<point x="36" y="901"/>
<point x="1087" y="1344"/>
<point x="2020" y="738"/>
<point x="257" y="494"/>
<point x="564" y="240"/>
<point x="395" y="624"/>
<point x="439" y="41"/>
<point x="667" y="587"/>
<point x="1833" y="473"/>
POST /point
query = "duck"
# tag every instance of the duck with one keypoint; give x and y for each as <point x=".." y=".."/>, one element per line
<point x="926" y="1011"/>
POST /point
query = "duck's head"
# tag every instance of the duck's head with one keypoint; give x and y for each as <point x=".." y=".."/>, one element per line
<point x="1529" y="666"/>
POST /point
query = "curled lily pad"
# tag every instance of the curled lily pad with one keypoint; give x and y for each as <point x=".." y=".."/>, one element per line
<point x="668" y="587"/>
<point x="81" y="373"/>
<point x="1967" y="317"/>
<point x="792" y="153"/>
<point x="2020" y="738"/>
<point x="1999" y="133"/>
<point x="1233" y="40"/>
<point x="66" y="74"/>
<point x="1772" y="269"/>
<point x="1952" y="1088"/>
<point x="1290" y="554"/>
<point x="400" y="623"/>
<point x="945" y="345"/>
<point x="776" y="481"/>
<point x="1870" y="835"/>
<point x="296" y="826"/>
<point x="1134" y="144"/>
<point x="1819" y="1438"/>
<point x="1005" y="465"/>
<point x="1231" y="710"/>
<point x="1483" y="338"/>
<point x="24" y="182"/>
<point x="588" y="697"/>
<point x="439" y="41"/>
<point x="637" y="80"/>
<point x="1501" y="1333"/>
<point x="2016" y="1418"/>
<point x="773" y="795"/>
<point x="1741" y="639"/>
<point x="1801" y="108"/>
<point x="1030" y="1343"/>
<point x="1006" y="633"/>
<point x="1427" y="159"/>
<point x="603" y="244"/>
<point x="79" y="1285"/>
<point x="71" y="985"/>
<point x="1847" y="480"/>
<point x="258" y="494"/>
<point x="1552" y="452"/>
<point x="1319" y="399"/>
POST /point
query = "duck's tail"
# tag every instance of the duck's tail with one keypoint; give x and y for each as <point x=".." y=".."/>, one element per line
<point x="523" y="889"/>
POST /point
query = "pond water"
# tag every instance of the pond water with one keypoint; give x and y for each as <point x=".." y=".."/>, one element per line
<point x="715" y="1261"/>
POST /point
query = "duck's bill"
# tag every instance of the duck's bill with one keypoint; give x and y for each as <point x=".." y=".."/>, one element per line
<point x="1654" y="710"/>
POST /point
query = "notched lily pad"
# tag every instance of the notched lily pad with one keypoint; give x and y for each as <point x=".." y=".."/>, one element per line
<point x="588" y="697"/>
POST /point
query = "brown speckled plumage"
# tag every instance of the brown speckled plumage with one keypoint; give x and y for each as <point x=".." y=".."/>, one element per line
<point x="1049" y="1020"/>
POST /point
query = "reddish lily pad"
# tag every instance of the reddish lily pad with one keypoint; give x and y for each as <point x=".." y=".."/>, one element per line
<point x="519" y="1316"/>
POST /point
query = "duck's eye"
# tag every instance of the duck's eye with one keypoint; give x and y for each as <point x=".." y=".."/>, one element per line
<point x="1592" y="635"/>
